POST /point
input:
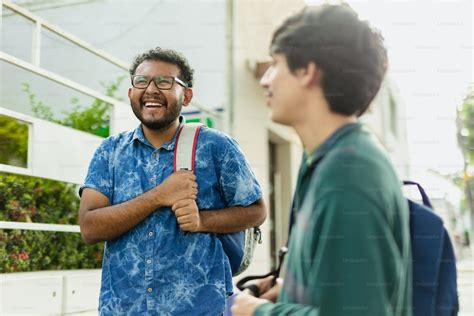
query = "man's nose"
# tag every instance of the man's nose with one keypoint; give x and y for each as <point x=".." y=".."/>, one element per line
<point x="266" y="78"/>
<point x="152" y="88"/>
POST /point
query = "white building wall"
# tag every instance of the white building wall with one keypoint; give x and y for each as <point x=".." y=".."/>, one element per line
<point x="388" y="123"/>
<point x="254" y="24"/>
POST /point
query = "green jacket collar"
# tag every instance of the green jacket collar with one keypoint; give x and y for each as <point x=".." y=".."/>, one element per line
<point x="316" y="155"/>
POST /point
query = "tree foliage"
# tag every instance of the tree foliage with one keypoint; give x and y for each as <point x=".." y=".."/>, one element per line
<point x="465" y="127"/>
<point x="465" y="124"/>
<point x="94" y="119"/>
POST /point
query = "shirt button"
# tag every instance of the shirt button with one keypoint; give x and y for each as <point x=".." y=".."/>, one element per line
<point x="148" y="261"/>
<point x="153" y="155"/>
<point x="149" y="290"/>
<point x="150" y="234"/>
<point x="152" y="179"/>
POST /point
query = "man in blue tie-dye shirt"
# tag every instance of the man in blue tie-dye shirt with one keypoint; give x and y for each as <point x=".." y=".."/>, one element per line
<point x="162" y="255"/>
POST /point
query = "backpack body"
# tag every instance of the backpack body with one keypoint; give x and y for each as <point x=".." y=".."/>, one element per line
<point x="434" y="264"/>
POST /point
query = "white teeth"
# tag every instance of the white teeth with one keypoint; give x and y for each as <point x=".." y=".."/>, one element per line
<point x="153" y="104"/>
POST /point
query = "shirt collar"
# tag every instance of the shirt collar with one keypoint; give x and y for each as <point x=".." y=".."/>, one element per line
<point x="138" y="135"/>
<point x="328" y="144"/>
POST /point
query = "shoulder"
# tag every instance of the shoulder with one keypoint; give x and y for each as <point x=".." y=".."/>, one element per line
<point x="212" y="135"/>
<point x="357" y="161"/>
<point x="217" y="141"/>
<point x="357" y="174"/>
<point x="110" y="145"/>
<point x="117" y="139"/>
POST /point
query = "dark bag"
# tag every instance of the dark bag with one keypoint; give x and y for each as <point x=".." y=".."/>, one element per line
<point x="434" y="264"/>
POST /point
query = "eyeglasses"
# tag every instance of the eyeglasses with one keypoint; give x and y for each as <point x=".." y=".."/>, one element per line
<point x="161" y="82"/>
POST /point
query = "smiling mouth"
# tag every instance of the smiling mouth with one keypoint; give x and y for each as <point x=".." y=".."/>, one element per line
<point x="153" y="105"/>
<point x="268" y="97"/>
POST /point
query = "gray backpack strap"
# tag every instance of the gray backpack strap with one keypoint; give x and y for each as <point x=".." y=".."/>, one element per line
<point x="185" y="146"/>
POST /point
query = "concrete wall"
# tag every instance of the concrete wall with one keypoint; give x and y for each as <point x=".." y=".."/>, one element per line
<point x="50" y="293"/>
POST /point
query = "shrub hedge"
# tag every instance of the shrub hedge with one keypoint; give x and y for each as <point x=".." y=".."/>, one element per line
<point x="29" y="199"/>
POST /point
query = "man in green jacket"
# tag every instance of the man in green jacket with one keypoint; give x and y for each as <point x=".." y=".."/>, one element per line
<point x="349" y="248"/>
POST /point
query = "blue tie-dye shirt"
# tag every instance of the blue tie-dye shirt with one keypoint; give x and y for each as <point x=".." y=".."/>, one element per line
<point x="156" y="268"/>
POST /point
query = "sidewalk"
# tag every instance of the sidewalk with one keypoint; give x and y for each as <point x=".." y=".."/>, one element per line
<point x="466" y="287"/>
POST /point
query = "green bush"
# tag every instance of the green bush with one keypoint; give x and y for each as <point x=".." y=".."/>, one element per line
<point x="13" y="142"/>
<point x="29" y="199"/>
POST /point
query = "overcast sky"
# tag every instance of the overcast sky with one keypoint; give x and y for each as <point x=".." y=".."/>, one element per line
<point x="430" y="46"/>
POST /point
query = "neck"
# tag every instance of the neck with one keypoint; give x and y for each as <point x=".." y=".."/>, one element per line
<point x="158" y="137"/>
<point x="317" y="129"/>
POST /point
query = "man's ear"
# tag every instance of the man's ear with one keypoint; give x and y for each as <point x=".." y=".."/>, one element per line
<point x="129" y="92"/>
<point x="310" y="75"/>
<point x="188" y="96"/>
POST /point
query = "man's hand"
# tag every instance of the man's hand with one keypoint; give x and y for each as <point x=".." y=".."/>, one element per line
<point x="101" y="221"/>
<point x="178" y="186"/>
<point x="267" y="291"/>
<point x="187" y="215"/>
<point x="245" y="305"/>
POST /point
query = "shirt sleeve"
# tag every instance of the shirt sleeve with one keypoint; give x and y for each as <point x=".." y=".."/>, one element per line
<point x="285" y="309"/>
<point x="352" y="266"/>
<point x="237" y="180"/>
<point x="98" y="176"/>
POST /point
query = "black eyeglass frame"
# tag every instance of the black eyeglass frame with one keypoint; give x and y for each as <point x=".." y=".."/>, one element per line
<point x="156" y="79"/>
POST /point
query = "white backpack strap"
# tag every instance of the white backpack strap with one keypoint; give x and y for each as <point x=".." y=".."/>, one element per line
<point x="185" y="146"/>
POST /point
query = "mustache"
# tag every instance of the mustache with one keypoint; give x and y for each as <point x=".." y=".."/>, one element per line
<point x="154" y="98"/>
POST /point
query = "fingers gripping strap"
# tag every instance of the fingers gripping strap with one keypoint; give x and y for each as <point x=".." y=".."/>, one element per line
<point x="185" y="147"/>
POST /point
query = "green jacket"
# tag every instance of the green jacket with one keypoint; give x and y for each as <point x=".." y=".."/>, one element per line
<point x="349" y="250"/>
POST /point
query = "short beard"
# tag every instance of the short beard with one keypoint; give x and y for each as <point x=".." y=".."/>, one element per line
<point x="164" y="122"/>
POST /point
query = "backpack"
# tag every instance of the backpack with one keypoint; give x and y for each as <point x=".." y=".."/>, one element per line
<point x="434" y="264"/>
<point x="238" y="247"/>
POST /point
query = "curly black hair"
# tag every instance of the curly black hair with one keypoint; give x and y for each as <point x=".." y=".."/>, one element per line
<point x="169" y="56"/>
<point x="349" y="52"/>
